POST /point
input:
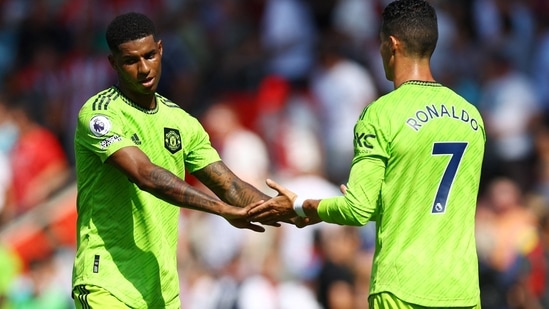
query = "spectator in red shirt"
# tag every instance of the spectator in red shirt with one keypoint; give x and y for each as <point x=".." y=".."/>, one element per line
<point x="38" y="162"/>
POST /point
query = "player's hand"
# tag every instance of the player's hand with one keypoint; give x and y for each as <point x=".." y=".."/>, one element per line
<point x="343" y="189"/>
<point x="277" y="209"/>
<point x="238" y="217"/>
<point x="301" y="222"/>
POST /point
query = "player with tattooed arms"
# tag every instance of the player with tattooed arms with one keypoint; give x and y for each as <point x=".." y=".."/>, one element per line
<point x="132" y="149"/>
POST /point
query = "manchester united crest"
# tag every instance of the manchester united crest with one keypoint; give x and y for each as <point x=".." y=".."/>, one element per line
<point x="172" y="140"/>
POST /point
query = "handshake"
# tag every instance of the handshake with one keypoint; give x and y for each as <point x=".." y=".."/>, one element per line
<point x="286" y="207"/>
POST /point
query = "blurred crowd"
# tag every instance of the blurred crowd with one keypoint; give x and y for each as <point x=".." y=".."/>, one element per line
<point x="279" y="84"/>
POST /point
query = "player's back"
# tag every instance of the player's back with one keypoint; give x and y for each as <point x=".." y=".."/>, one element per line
<point x="426" y="251"/>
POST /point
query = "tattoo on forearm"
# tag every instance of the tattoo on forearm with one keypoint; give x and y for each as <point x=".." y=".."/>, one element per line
<point x="175" y="190"/>
<point x="225" y="184"/>
<point x="164" y="180"/>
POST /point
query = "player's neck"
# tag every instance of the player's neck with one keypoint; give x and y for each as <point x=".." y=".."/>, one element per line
<point x="146" y="101"/>
<point x="407" y="69"/>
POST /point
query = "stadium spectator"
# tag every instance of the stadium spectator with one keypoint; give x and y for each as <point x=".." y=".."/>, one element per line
<point x="242" y="150"/>
<point x="543" y="220"/>
<point x="304" y="173"/>
<point x="269" y="289"/>
<point x="10" y="269"/>
<point x="540" y="64"/>
<point x="82" y="71"/>
<point x="8" y="137"/>
<point x="287" y="36"/>
<point x="40" y="287"/>
<point x="507" y="25"/>
<point x="512" y="110"/>
<point x="342" y="88"/>
<point x="39" y="164"/>
<point x="540" y="185"/>
<point x="335" y="282"/>
<point x="506" y="236"/>
<point x="245" y="153"/>
<point x="5" y="188"/>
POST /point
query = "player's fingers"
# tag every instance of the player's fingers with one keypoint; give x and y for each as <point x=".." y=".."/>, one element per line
<point x="267" y="217"/>
<point x="301" y="222"/>
<point x="275" y="186"/>
<point x="253" y="205"/>
<point x="287" y="220"/>
<point x="258" y="208"/>
<point x="261" y="217"/>
<point x="255" y="227"/>
<point x="272" y="223"/>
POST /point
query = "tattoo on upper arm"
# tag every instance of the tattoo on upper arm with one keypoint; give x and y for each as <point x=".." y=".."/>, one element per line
<point x="218" y="169"/>
<point x="214" y="176"/>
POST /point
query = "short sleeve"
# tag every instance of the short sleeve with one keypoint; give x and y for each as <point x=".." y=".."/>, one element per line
<point x="101" y="132"/>
<point x="199" y="150"/>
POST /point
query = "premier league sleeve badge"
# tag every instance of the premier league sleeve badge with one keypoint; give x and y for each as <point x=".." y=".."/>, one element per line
<point x="100" y="125"/>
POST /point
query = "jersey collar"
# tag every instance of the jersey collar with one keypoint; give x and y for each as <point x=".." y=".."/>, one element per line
<point x="136" y="106"/>
<point x="421" y="83"/>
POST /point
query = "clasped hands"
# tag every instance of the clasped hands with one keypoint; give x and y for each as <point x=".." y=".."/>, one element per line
<point x="279" y="209"/>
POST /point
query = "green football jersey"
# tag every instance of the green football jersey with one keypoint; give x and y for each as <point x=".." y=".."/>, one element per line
<point x="416" y="172"/>
<point x="127" y="237"/>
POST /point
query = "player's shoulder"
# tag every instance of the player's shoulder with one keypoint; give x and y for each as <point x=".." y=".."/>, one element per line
<point x="396" y="96"/>
<point x="101" y="101"/>
<point x="171" y="106"/>
<point x="167" y="102"/>
<point x="377" y="107"/>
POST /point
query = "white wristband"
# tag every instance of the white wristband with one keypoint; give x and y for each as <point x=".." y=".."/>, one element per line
<point x="298" y="207"/>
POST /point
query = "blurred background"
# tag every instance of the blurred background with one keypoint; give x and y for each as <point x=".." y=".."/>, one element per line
<point x="279" y="85"/>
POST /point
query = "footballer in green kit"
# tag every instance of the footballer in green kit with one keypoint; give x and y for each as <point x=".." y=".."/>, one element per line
<point x="416" y="173"/>
<point x="422" y="185"/>
<point x="133" y="147"/>
<point x="107" y="123"/>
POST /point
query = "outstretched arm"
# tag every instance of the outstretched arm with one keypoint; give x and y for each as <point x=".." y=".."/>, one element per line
<point x="348" y="209"/>
<point x="228" y="186"/>
<point x="167" y="186"/>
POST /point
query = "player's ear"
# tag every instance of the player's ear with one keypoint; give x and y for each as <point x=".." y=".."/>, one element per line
<point x="394" y="44"/>
<point x="160" y="49"/>
<point x="111" y="61"/>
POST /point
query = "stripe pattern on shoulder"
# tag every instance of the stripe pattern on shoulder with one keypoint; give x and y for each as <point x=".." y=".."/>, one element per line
<point x="103" y="99"/>
<point x="167" y="102"/>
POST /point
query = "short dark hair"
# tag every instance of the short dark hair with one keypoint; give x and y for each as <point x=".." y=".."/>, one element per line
<point x="128" y="27"/>
<point x="414" y="22"/>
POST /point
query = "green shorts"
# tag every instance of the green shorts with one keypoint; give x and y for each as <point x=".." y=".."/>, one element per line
<point x="91" y="297"/>
<point x="390" y="301"/>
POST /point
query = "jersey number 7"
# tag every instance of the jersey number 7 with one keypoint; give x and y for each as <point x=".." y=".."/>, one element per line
<point x="455" y="150"/>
